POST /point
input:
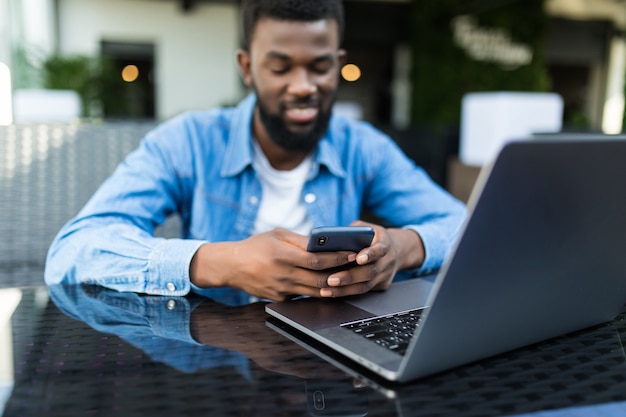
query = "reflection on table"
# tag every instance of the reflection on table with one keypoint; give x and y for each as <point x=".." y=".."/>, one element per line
<point x="96" y="351"/>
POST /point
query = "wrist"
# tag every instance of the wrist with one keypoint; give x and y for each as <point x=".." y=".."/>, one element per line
<point x="410" y="248"/>
<point x="208" y="265"/>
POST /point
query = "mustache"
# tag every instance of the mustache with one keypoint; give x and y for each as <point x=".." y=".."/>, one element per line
<point x="309" y="101"/>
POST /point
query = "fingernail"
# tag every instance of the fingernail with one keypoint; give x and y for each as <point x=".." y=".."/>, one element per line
<point x="333" y="281"/>
<point x="362" y="259"/>
<point x="352" y="257"/>
<point x="325" y="292"/>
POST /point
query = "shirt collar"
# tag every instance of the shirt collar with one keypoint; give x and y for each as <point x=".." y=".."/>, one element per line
<point x="327" y="154"/>
<point x="239" y="149"/>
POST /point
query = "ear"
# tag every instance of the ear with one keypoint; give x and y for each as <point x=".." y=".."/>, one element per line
<point x="342" y="57"/>
<point x="243" y="60"/>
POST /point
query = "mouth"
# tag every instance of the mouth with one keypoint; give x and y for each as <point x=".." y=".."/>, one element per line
<point x="300" y="113"/>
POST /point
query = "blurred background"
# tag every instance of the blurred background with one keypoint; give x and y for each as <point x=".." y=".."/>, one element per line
<point x="81" y="81"/>
<point x="411" y="63"/>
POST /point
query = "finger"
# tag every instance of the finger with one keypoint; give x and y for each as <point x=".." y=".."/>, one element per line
<point x="362" y="223"/>
<point x="319" y="261"/>
<point x="346" y="290"/>
<point x="298" y="282"/>
<point x="373" y="253"/>
<point x="355" y="275"/>
<point x="292" y="238"/>
<point x="363" y="257"/>
<point x="358" y="287"/>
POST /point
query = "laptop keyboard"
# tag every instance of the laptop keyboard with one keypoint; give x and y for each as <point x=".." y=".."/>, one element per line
<point x="393" y="332"/>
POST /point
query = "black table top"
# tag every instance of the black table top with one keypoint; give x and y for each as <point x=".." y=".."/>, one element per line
<point x="90" y="351"/>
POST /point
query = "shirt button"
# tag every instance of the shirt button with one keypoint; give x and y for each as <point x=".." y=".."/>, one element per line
<point x="310" y="198"/>
<point x="254" y="200"/>
<point x="171" y="305"/>
<point x="170" y="286"/>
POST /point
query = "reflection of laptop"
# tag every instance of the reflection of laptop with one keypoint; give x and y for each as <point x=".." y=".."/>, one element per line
<point x="548" y="372"/>
<point x="542" y="254"/>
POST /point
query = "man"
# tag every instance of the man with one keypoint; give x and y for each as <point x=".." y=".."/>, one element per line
<point x="249" y="183"/>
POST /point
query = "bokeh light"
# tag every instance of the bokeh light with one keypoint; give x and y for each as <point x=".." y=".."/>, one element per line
<point x="130" y="73"/>
<point x="351" y="72"/>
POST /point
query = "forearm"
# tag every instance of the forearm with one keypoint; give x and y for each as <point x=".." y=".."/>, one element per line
<point x="120" y="256"/>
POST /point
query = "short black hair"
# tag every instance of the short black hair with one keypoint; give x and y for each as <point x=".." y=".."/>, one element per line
<point x="294" y="10"/>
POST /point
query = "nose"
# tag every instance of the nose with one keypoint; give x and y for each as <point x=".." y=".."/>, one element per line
<point x="301" y="83"/>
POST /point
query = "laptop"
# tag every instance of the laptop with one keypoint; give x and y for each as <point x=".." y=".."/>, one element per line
<point x="549" y="370"/>
<point x="540" y="255"/>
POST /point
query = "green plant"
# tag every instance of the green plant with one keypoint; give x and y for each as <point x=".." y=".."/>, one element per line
<point x="443" y="72"/>
<point x="86" y="75"/>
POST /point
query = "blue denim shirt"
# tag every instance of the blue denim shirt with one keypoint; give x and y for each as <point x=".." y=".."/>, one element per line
<point x="199" y="165"/>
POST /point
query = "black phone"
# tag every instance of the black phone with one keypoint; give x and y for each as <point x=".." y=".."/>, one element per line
<point x="340" y="238"/>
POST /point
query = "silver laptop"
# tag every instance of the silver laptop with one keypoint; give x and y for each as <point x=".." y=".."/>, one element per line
<point x="541" y="254"/>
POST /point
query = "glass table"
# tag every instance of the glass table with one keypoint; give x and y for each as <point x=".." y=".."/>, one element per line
<point x="84" y="350"/>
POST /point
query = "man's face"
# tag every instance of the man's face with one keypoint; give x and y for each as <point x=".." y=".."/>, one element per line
<point x="293" y="68"/>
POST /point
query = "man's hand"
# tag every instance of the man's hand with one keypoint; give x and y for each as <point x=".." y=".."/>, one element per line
<point x="274" y="265"/>
<point x="392" y="250"/>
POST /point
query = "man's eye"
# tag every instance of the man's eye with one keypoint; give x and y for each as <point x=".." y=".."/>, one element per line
<point x="279" y="70"/>
<point x="322" y="68"/>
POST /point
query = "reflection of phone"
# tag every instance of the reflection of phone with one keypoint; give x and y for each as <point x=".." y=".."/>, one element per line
<point x="336" y="398"/>
<point x="338" y="238"/>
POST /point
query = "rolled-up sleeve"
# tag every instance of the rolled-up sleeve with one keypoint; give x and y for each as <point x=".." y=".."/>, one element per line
<point x="111" y="241"/>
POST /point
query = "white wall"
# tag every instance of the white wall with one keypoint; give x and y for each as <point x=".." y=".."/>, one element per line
<point x="37" y="29"/>
<point x="613" y="115"/>
<point x="613" y="10"/>
<point x="5" y="45"/>
<point x="6" y="109"/>
<point x="195" y="63"/>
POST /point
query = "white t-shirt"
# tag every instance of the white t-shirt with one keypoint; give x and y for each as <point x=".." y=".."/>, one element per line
<point x="281" y="205"/>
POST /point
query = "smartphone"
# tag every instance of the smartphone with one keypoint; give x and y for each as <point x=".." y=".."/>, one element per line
<point x="340" y="238"/>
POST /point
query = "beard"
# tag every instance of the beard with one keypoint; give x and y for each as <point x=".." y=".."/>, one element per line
<point x="294" y="141"/>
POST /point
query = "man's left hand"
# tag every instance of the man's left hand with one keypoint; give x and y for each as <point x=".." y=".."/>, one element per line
<point x="392" y="250"/>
